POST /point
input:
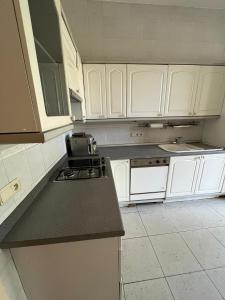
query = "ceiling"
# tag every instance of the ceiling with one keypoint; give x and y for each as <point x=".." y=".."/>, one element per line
<point x="107" y="31"/>
<point x="211" y="4"/>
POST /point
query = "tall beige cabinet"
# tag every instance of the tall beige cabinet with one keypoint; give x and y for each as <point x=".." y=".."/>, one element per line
<point x="34" y="99"/>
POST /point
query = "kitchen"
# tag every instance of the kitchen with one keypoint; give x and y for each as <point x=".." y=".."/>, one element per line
<point x="112" y="160"/>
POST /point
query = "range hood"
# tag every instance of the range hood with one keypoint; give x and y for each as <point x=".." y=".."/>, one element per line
<point x="74" y="97"/>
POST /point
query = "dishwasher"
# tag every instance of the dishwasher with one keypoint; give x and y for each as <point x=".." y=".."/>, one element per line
<point x="148" y="179"/>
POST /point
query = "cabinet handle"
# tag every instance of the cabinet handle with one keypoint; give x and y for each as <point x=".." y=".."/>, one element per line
<point x="159" y="115"/>
<point x="190" y="113"/>
<point x="194" y="113"/>
<point x="78" y="91"/>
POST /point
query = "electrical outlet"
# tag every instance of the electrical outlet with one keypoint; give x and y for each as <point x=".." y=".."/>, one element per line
<point x="137" y="133"/>
<point x="9" y="190"/>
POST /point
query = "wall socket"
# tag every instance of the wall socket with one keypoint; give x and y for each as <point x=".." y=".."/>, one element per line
<point x="137" y="132"/>
<point x="9" y="191"/>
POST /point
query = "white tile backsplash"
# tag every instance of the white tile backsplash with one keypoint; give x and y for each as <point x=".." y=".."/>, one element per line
<point x="16" y="166"/>
<point x="128" y="32"/>
<point x="116" y="134"/>
<point x="29" y="163"/>
<point x="35" y="162"/>
<point x="3" y="177"/>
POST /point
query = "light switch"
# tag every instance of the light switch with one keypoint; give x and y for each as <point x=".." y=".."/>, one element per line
<point x="9" y="190"/>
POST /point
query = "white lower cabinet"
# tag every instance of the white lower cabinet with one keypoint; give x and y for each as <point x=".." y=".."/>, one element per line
<point x="195" y="175"/>
<point x="121" y="175"/>
<point x="182" y="175"/>
<point x="211" y="174"/>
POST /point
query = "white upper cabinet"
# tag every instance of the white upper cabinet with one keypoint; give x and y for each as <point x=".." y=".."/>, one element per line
<point x="211" y="174"/>
<point x="80" y="76"/>
<point x="116" y="90"/>
<point x="73" y="63"/>
<point x="181" y="90"/>
<point x="95" y="92"/>
<point x="182" y="177"/>
<point x="211" y="91"/>
<point x="70" y="58"/>
<point x="146" y="90"/>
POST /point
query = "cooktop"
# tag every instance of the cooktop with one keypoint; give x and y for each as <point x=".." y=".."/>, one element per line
<point x="84" y="168"/>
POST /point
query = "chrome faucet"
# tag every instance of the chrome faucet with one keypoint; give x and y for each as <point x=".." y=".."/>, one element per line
<point x="178" y="140"/>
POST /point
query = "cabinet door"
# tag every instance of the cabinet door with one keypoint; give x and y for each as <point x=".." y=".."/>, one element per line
<point x="70" y="58"/>
<point x="46" y="47"/>
<point x="145" y="90"/>
<point x="53" y="91"/>
<point x="81" y="85"/>
<point x="95" y="92"/>
<point x="18" y="112"/>
<point x="80" y="76"/>
<point x="182" y="177"/>
<point x="181" y="90"/>
<point x="211" y="175"/>
<point x="121" y="175"/>
<point x="116" y="91"/>
<point x="211" y="91"/>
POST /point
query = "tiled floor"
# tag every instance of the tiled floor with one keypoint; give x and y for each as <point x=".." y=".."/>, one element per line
<point x="174" y="251"/>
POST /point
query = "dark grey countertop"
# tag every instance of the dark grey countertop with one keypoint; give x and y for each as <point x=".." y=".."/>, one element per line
<point x="69" y="211"/>
<point x="148" y="151"/>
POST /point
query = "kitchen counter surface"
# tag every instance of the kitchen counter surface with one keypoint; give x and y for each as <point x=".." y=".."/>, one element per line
<point x="148" y="151"/>
<point x="69" y="211"/>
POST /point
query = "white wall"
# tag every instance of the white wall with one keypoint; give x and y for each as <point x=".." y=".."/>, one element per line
<point x="29" y="162"/>
<point x="214" y="131"/>
<point x="127" y="32"/>
<point x="113" y="134"/>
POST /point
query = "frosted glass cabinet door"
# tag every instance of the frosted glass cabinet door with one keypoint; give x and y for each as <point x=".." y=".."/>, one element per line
<point x="116" y="90"/>
<point x="53" y="91"/>
<point x="211" y="175"/>
<point x="181" y="90"/>
<point x="211" y="91"/>
<point x="146" y="90"/>
<point x="121" y="176"/>
<point x="95" y="92"/>
<point x="182" y="177"/>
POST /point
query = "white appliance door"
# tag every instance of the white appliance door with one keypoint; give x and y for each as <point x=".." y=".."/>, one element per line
<point x="148" y="179"/>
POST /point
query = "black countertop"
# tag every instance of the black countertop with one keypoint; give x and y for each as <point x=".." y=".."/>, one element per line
<point x="148" y="151"/>
<point x="69" y="211"/>
<point x="77" y="210"/>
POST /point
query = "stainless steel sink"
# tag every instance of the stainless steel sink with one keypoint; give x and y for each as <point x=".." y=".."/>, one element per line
<point x="177" y="148"/>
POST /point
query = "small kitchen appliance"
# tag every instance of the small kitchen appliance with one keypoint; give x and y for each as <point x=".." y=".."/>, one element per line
<point x="81" y="144"/>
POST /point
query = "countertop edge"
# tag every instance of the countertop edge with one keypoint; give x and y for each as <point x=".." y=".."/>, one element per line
<point x="31" y="198"/>
<point x="20" y="210"/>
<point x="60" y="240"/>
